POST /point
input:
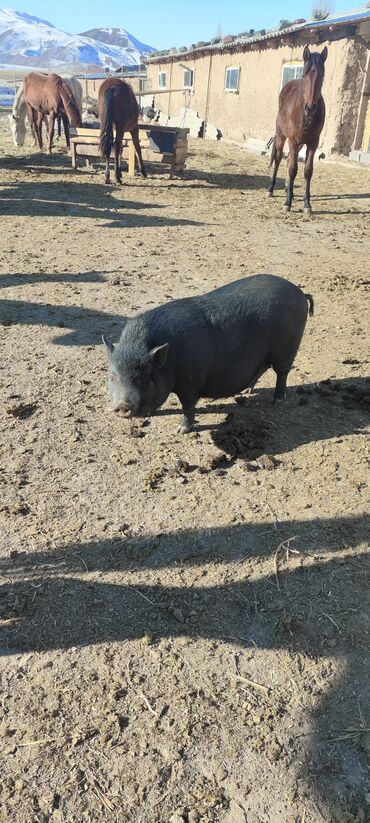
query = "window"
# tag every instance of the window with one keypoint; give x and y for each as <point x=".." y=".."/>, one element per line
<point x="188" y="79"/>
<point x="162" y="79"/>
<point x="232" y="78"/>
<point x="291" y="71"/>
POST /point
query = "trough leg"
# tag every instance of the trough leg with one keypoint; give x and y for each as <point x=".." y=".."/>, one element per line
<point x="131" y="158"/>
<point x="74" y="155"/>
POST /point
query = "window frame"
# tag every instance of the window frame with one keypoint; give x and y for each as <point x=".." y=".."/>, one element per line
<point x="184" y="85"/>
<point x="293" y="64"/>
<point x="229" y="69"/>
<point x="162" y="74"/>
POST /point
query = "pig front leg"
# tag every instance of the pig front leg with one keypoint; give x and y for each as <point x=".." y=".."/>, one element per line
<point x="188" y="414"/>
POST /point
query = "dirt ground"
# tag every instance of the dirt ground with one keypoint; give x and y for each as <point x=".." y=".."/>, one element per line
<point x="185" y="619"/>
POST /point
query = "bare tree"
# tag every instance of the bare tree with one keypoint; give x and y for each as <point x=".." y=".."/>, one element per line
<point x="321" y="9"/>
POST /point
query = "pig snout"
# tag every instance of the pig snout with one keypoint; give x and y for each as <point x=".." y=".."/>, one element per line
<point x="122" y="407"/>
<point x="129" y="406"/>
<point x="127" y="402"/>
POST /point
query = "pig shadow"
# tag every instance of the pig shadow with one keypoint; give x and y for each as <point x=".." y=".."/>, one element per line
<point x="255" y="426"/>
<point x="313" y="412"/>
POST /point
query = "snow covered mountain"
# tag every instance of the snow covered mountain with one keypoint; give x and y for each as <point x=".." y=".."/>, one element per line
<point x="29" y="41"/>
<point x="117" y="37"/>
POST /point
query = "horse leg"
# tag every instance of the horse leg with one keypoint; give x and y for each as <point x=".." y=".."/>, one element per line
<point x="308" y="169"/>
<point x="66" y="129"/>
<point x="51" y="130"/>
<point x="107" y="171"/>
<point x="292" y="171"/>
<point x="32" y="117"/>
<point x="137" y="147"/>
<point x="34" y="134"/>
<point x="117" y="155"/>
<point x="276" y="157"/>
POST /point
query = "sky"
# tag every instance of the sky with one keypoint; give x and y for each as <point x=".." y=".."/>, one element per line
<point x="165" y="24"/>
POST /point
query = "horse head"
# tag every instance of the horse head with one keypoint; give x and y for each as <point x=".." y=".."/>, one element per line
<point x="313" y="76"/>
<point x="18" y="129"/>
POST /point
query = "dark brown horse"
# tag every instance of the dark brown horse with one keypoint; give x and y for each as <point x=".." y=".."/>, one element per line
<point x="300" y="120"/>
<point x="49" y="94"/>
<point x="118" y="107"/>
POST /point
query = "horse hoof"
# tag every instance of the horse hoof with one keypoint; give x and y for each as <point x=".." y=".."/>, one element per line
<point x="287" y="209"/>
<point x="307" y="211"/>
<point x="269" y="194"/>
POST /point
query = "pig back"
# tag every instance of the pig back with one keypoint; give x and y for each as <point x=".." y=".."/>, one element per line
<point x="254" y="323"/>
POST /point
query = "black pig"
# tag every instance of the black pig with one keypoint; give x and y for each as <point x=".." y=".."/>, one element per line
<point x="214" y="345"/>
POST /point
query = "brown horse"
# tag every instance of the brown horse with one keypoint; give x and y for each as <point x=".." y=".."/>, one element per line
<point x="300" y="119"/>
<point x="118" y="107"/>
<point x="49" y="94"/>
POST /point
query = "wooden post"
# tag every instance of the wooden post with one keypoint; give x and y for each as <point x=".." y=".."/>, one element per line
<point x="73" y="155"/>
<point x="131" y="159"/>
<point x="169" y="95"/>
<point x="208" y="95"/>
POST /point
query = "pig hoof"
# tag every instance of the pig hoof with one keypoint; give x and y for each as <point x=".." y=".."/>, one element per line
<point x="184" y="429"/>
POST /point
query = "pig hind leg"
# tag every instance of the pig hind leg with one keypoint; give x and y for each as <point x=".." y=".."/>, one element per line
<point x="282" y="369"/>
<point x="280" y="388"/>
<point x="282" y="363"/>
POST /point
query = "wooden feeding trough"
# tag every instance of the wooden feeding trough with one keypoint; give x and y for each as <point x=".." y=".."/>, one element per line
<point x="166" y="145"/>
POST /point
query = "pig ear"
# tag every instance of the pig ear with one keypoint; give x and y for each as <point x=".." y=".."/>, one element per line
<point x="324" y="54"/>
<point x="108" y="345"/>
<point x="158" y="356"/>
<point x="306" y="54"/>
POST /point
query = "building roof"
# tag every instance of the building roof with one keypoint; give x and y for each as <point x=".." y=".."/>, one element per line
<point x="355" y="16"/>
<point x="234" y="43"/>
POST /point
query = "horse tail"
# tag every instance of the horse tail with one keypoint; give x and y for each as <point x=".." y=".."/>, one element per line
<point x="69" y="103"/>
<point x="106" y="121"/>
<point x="273" y="152"/>
<point x="309" y="298"/>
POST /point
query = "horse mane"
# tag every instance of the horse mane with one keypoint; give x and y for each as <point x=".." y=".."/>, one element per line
<point x="19" y="106"/>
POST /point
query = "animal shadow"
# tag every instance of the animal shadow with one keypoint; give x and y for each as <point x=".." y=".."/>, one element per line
<point x="256" y="427"/>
